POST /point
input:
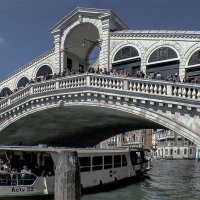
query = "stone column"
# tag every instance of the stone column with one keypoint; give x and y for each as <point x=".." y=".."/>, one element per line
<point x="67" y="177"/>
<point x="105" y="46"/>
<point x="57" y="41"/>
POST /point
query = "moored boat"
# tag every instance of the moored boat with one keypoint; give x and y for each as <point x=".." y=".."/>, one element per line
<point x="29" y="171"/>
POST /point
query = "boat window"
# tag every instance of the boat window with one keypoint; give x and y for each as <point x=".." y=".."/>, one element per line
<point x="14" y="178"/>
<point x="97" y="163"/>
<point x="4" y="180"/>
<point x="134" y="157"/>
<point x="117" y="161"/>
<point x="48" y="165"/>
<point x="85" y="164"/>
<point x="24" y="179"/>
<point x="124" y="161"/>
<point x="107" y="162"/>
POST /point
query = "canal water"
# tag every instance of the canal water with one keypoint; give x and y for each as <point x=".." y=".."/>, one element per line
<point x="167" y="180"/>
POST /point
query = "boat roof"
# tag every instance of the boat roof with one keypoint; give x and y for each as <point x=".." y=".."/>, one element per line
<point x="44" y="148"/>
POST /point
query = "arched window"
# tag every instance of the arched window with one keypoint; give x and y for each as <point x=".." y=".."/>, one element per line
<point x="127" y="58"/>
<point x="125" y="53"/>
<point x="133" y="137"/>
<point x="22" y="82"/>
<point x="191" y="151"/>
<point x="193" y="68"/>
<point x="185" y="151"/>
<point x="163" y="60"/>
<point x="161" y="54"/>
<point x="5" y="92"/>
<point x="166" y="152"/>
<point x="195" y="59"/>
<point x="171" y="151"/>
<point x="178" y="151"/>
<point x="44" y="70"/>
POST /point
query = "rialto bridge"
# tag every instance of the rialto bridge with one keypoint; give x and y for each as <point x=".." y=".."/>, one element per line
<point x="83" y="109"/>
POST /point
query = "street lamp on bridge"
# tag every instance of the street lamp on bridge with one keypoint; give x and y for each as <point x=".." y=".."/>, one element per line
<point x="95" y="43"/>
<point x="85" y="42"/>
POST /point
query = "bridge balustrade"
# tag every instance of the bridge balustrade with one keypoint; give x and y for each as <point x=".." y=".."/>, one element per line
<point x="107" y="82"/>
<point x="135" y="85"/>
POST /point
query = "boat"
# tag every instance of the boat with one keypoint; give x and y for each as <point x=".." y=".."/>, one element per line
<point x="29" y="171"/>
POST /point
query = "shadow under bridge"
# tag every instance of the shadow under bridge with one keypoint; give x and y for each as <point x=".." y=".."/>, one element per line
<point x="73" y="126"/>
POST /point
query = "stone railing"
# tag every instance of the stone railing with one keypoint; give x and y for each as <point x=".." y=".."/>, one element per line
<point x="130" y="85"/>
<point x="164" y="88"/>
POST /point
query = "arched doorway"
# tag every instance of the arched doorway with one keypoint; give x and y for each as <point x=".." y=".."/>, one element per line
<point x="164" y="60"/>
<point x="43" y="71"/>
<point x="79" y="47"/>
<point x="5" y="92"/>
<point x="127" y="58"/>
<point x="193" y="68"/>
<point x="22" y="82"/>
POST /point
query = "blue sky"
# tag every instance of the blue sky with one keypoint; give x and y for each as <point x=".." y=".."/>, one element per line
<point x="25" y="24"/>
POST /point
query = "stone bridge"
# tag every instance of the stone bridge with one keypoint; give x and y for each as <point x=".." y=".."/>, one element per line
<point x="82" y="110"/>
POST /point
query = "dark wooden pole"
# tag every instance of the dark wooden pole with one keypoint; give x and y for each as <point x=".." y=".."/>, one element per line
<point x="67" y="177"/>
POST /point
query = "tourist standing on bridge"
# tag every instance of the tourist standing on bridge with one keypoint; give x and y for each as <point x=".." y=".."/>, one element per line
<point x="176" y="78"/>
<point x="159" y="76"/>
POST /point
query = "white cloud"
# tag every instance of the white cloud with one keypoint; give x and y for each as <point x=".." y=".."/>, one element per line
<point x="1" y="39"/>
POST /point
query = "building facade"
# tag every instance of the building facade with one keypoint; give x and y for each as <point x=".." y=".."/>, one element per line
<point x="171" y="145"/>
<point x="164" y="144"/>
<point x="132" y="139"/>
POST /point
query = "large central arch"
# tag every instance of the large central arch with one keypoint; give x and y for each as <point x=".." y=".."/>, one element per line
<point x="84" y="123"/>
<point x="78" y="44"/>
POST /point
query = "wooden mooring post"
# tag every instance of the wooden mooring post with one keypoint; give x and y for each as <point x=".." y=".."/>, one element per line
<point x="67" y="177"/>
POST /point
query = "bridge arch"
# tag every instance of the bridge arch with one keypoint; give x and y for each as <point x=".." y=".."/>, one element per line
<point x="43" y="70"/>
<point x="22" y="82"/>
<point x="135" y="44"/>
<point x="5" y="91"/>
<point x="78" y="44"/>
<point x="127" y="57"/>
<point x="192" y="68"/>
<point x="150" y="118"/>
<point x="164" y="59"/>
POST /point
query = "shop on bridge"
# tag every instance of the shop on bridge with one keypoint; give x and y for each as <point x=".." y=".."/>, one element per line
<point x="163" y="60"/>
<point x="127" y="58"/>
<point x="192" y="71"/>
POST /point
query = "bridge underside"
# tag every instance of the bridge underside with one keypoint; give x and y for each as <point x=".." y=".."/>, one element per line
<point x="75" y="126"/>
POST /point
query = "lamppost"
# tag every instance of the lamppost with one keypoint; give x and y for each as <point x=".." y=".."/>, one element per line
<point x="95" y="43"/>
<point x="84" y="43"/>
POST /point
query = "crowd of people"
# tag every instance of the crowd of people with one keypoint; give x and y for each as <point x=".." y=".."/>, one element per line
<point x="13" y="173"/>
<point x="119" y="73"/>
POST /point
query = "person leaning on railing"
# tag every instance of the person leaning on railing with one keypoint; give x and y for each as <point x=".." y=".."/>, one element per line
<point x="25" y="175"/>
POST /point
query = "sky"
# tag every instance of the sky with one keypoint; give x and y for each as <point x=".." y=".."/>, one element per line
<point x="25" y="24"/>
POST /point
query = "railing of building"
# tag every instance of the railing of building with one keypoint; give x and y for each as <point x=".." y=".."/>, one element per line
<point x="131" y="85"/>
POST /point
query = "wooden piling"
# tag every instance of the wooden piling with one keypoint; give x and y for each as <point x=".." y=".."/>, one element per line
<point x="67" y="177"/>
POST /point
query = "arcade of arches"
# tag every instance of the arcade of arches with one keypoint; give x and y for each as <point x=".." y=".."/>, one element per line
<point x="193" y="68"/>
<point x="164" y="60"/>
<point x="42" y="72"/>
